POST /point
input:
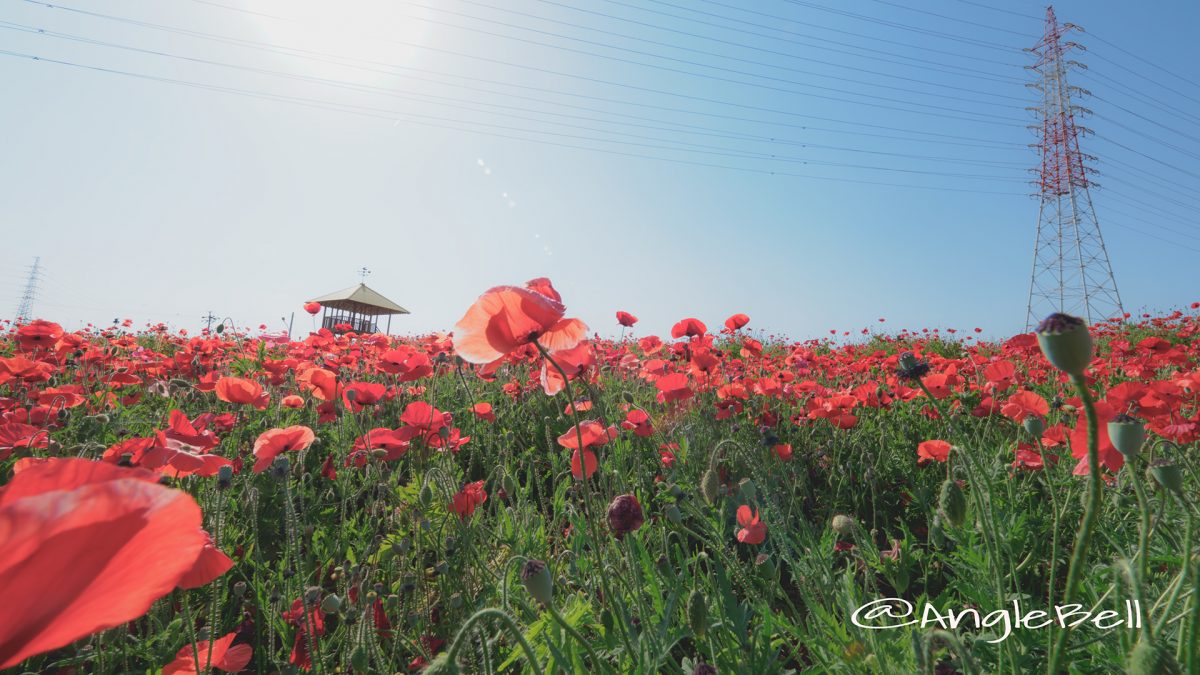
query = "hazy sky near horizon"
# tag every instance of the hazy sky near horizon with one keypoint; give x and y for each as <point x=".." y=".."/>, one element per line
<point x="814" y="164"/>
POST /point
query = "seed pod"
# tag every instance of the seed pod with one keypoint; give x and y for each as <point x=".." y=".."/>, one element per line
<point x="331" y="604"/>
<point x="1127" y="435"/>
<point x="697" y="613"/>
<point x="535" y="576"/>
<point x="1066" y="342"/>
<point x="952" y="503"/>
<point x="709" y="486"/>
<point x="1167" y="474"/>
<point x="843" y="524"/>
<point x="673" y="513"/>
<point x="1148" y="658"/>
<point x="1034" y="426"/>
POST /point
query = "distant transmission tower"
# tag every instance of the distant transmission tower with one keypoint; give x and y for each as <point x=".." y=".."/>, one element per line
<point x="25" y="309"/>
<point x="1071" y="270"/>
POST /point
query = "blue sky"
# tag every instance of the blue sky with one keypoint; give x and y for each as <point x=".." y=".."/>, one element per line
<point x="813" y="164"/>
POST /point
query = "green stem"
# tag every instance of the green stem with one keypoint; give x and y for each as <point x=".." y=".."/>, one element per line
<point x="1087" y="524"/>
<point x="461" y="638"/>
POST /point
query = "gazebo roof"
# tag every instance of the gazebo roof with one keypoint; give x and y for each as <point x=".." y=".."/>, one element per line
<point x="361" y="300"/>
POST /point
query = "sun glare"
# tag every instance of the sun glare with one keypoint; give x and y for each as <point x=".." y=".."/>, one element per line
<point x="350" y="39"/>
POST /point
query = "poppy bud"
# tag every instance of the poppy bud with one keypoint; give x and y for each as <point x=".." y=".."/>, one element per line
<point x="392" y="601"/>
<point x="746" y="488"/>
<point x="1034" y="426"/>
<point x="331" y="604"/>
<point x="952" y="503"/>
<point x="508" y="484"/>
<point x="1066" y="343"/>
<point x="402" y="546"/>
<point x="225" y="476"/>
<point x="1167" y="474"/>
<point x="279" y="468"/>
<point x="697" y="613"/>
<point x="312" y="594"/>
<point x="624" y="515"/>
<point x="843" y="524"/>
<point x="537" y="581"/>
<point x="1149" y="657"/>
<point x="1127" y="434"/>
<point x="673" y="513"/>
<point x="628" y="396"/>
<point x="709" y="485"/>
<point x="676" y="491"/>
<point x="426" y="495"/>
<point x="909" y="367"/>
<point x="359" y="660"/>
<point x="456" y="601"/>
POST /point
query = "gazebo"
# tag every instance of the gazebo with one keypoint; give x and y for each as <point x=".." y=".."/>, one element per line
<point x="358" y="306"/>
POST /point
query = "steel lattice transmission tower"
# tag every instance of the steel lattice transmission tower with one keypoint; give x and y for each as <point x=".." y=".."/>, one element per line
<point x="25" y="308"/>
<point x="1071" y="270"/>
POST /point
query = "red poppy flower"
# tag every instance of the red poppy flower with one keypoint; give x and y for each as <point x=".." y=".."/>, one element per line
<point x="593" y="432"/>
<point x="225" y="656"/>
<point x="242" y="391"/>
<point x="626" y="319"/>
<point x="1024" y="404"/>
<point x="321" y="383"/>
<point x="73" y="531"/>
<point x="210" y="564"/>
<point x="736" y="321"/>
<point x="296" y="617"/>
<point x="483" y="411"/>
<point x="38" y="334"/>
<point x="585" y="461"/>
<point x="934" y="450"/>
<point x="753" y="531"/>
<point x="312" y="307"/>
<point x="273" y="442"/>
<point x="471" y="496"/>
<point x="784" y="450"/>
<point x="17" y="435"/>
<point x="506" y="318"/>
<point x="359" y="395"/>
<point x="639" y="421"/>
<point x="673" y="387"/>
<point x="292" y="401"/>
<point x="406" y="363"/>
<point x="689" y="327"/>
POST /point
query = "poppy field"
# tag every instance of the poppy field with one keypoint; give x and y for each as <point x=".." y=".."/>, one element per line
<point x="520" y="495"/>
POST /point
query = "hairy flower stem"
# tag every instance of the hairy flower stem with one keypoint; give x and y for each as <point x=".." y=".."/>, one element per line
<point x="1087" y="524"/>
<point x="1143" y="551"/>
<point x="291" y="526"/>
<point x="515" y="631"/>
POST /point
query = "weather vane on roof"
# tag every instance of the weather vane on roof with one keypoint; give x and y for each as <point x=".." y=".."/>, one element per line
<point x="364" y="273"/>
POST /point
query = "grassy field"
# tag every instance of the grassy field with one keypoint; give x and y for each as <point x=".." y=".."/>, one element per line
<point x="518" y="497"/>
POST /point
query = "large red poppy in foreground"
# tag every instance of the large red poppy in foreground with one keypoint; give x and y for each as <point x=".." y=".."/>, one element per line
<point x="506" y="318"/>
<point x="87" y="546"/>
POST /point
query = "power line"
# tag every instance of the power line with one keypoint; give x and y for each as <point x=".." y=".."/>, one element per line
<point x="364" y="111"/>
<point x="681" y="71"/>
<point x="325" y="57"/>
<point x="1143" y="60"/>
<point x="903" y="26"/>
<point x="841" y="31"/>
<point x="952" y="18"/>
<point x="416" y="97"/>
